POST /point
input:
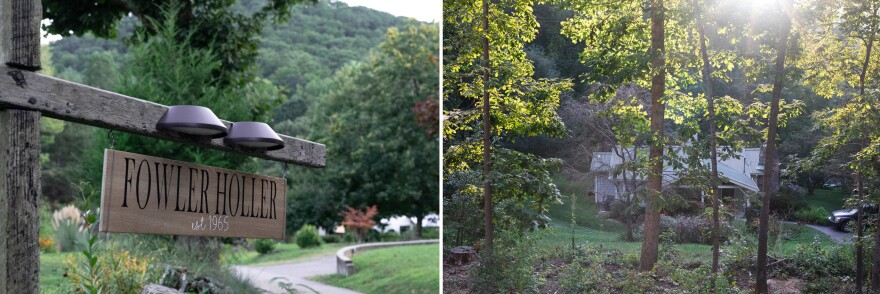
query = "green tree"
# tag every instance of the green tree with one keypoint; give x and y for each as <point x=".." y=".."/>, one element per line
<point x="202" y="23"/>
<point x="629" y="43"/>
<point x="101" y="71"/>
<point x="845" y="47"/>
<point x="785" y="9"/>
<point x="713" y="138"/>
<point x="170" y="71"/>
<point x="488" y="78"/>
<point x="377" y="153"/>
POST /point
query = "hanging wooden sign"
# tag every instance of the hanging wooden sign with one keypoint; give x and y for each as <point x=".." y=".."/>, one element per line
<point x="145" y="194"/>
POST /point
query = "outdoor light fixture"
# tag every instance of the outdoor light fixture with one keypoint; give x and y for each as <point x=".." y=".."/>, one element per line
<point x="254" y="135"/>
<point x="192" y="120"/>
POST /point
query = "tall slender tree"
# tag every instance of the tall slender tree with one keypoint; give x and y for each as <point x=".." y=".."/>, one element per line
<point x="491" y="98"/>
<point x="713" y="141"/>
<point x="487" y="132"/>
<point x="651" y="242"/>
<point x="785" y="9"/>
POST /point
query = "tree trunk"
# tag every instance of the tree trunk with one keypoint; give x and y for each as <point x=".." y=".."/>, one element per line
<point x="651" y="242"/>
<point x="860" y="261"/>
<point x="487" y="132"/>
<point x="713" y="142"/>
<point x="629" y="229"/>
<point x="418" y="227"/>
<point x="875" y="275"/>
<point x="770" y="151"/>
<point x="875" y="265"/>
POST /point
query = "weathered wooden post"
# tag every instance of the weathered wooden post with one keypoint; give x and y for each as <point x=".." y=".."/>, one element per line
<point x="20" y="153"/>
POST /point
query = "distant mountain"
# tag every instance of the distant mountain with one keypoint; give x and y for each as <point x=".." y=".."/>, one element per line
<point x="317" y="40"/>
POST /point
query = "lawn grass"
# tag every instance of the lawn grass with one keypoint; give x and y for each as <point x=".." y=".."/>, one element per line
<point x="52" y="272"/>
<point x="284" y="253"/>
<point x="585" y="207"/>
<point x="590" y="229"/>
<point x="831" y="200"/>
<point x="795" y="235"/>
<point x="402" y="269"/>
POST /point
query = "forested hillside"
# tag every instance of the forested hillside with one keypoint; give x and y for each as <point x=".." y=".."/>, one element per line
<point x="316" y="41"/>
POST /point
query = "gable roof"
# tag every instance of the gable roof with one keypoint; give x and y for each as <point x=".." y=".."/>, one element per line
<point x="737" y="177"/>
<point x="737" y="169"/>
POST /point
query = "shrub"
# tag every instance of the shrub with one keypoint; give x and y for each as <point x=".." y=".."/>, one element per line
<point x="67" y="223"/>
<point x="331" y="238"/>
<point x="68" y="236"/>
<point x="816" y="215"/>
<point x="581" y="276"/>
<point x="307" y="237"/>
<point x="788" y="200"/>
<point x="264" y="246"/>
<point x="825" y="266"/>
<point x="408" y="235"/>
<point x="47" y="245"/>
<point x="636" y="282"/>
<point x="508" y="267"/>
<point x="430" y="233"/>
<point x="68" y="213"/>
<point x="371" y="235"/>
<point x="631" y="259"/>
<point x="122" y="272"/>
<point x="688" y="229"/>
<point x="742" y="252"/>
<point x="389" y="236"/>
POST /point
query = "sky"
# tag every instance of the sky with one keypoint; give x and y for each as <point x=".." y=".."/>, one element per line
<point x="423" y="10"/>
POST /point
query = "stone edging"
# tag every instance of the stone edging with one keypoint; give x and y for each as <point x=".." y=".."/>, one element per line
<point x="345" y="267"/>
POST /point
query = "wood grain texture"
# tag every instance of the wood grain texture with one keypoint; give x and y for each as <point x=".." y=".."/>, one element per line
<point x="83" y="104"/>
<point x="19" y="199"/>
<point x="21" y="33"/>
<point x="152" y="195"/>
<point x="5" y="31"/>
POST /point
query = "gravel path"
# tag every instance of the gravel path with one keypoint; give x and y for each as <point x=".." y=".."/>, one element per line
<point x="296" y="274"/>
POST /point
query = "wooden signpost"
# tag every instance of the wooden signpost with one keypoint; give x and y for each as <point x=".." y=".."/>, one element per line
<point x="26" y="96"/>
<point x="145" y="194"/>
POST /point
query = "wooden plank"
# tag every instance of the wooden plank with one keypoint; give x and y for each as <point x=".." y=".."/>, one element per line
<point x="152" y="195"/>
<point x="83" y="104"/>
<point x="20" y="155"/>
<point x="26" y="16"/>
<point x="19" y="199"/>
<point x="20" y="33"/>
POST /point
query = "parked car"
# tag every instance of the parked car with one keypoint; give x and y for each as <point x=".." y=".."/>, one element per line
<point x="840" y="219"/>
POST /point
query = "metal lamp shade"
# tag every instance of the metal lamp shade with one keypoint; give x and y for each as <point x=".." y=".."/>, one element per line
<point x="254" y="135"/>
<point x="192" y="120"/>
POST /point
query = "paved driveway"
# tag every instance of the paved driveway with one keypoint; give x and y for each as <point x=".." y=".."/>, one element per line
<point x="837" y="236"/>
<point x="834" y="234"/>
<point x="296" y="274"/>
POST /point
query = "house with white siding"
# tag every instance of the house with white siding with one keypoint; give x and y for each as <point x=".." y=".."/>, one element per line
<point x="739" y="174"/>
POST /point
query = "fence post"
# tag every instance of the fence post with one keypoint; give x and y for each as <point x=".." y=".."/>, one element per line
<point x="19" y="152"/>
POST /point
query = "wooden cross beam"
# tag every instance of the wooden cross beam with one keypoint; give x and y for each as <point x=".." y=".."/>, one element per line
<point x="78" y="103"/>
<point x="25" y="96"/>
